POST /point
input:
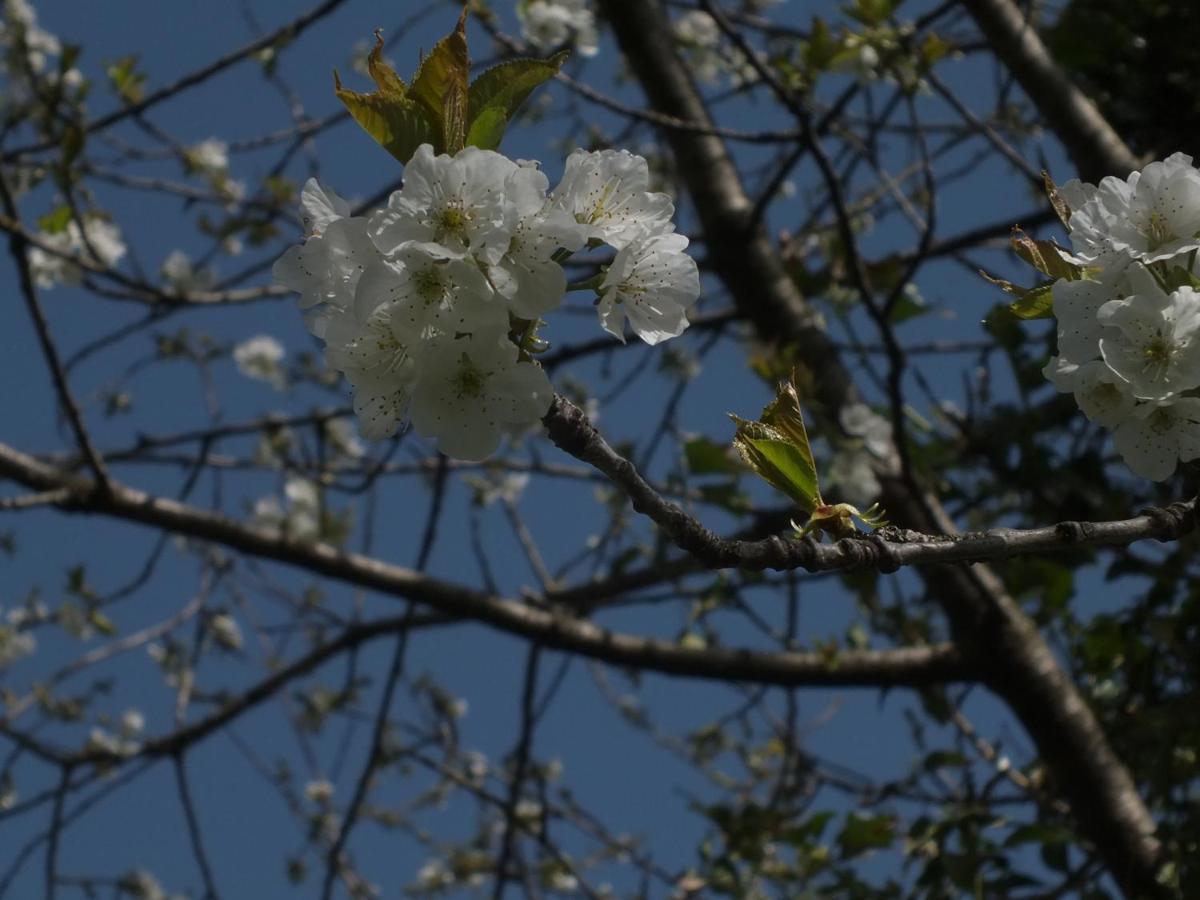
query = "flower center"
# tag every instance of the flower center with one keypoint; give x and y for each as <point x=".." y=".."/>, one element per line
<point x="429" y="285"/>
<point x="1157" y="355"/>
<point x="451" y="219"/>
<point x="469" y="380"/>
<point x="1158" y="229"/>
<point x="1161" y="420"/>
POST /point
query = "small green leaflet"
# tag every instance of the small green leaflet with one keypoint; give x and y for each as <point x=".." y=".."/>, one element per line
<point x="440" y="108"/>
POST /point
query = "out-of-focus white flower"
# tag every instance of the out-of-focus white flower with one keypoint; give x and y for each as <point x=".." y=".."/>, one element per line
<point x="260" y="358"/>
<point x="301" y="519"/>
<point x="210" y="156"/>
<point x="550" y="24"/>
<point x="226" y="631"/>
<point x="182" y="276"/>
<point x="132" y="721"/>
<point x="142" y="885"/>
<point x="99" y="241"/>
<point x="15" y="644"/>
<point x="103" y="741"/>
<point x="319" y="791"/>
<point x="859" y="420"/>
<point x="497" y="485"/>
<point x="434" y="875"/>
<point x="854" y="474"/>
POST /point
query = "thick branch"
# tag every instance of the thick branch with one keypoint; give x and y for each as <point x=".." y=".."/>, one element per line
<point x="886" y="550"/>
<point x="987" y="624"/>
<point x="554" y="628"/>
<point x="1095" y="148"/>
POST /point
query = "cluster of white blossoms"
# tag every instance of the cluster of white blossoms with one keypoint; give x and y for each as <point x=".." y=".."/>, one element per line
<point x="551" y="24"/>
<point x="1129" y="328"/>
<point x="99" y="241"/>
<point x="29" y="54"/>
<point x="430" y="305"/>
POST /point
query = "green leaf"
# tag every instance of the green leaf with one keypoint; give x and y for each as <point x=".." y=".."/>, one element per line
<point x="1045" y="256"/>
<point x="398" y="124"/>
<point x="1035" y="303"/>
<point x="496" y="95"/>
<point x="56" y="221"/>
<point x="863" y="833"/>
<point x="791" y="470"/>
<point x="706" y="457"/>
<point x="487" y="129"/>
<point x="776" y="447"/>
<point x="440" y="85"/>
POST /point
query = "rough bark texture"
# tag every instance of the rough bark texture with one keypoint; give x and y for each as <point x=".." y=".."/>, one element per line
<point x="985" y="622"/>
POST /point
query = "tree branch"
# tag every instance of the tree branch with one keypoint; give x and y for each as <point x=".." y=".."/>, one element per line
<point x="1093" y="145"/>
<point x="556" y="628"/>
<point x="986" y="623"/>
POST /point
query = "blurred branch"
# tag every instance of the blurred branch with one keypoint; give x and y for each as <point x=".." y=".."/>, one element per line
<point x="1095" y="148"/>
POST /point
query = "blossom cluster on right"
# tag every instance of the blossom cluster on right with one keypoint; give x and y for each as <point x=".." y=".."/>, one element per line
<point x="1129" y="318"/>
<point x="431" y="306"/>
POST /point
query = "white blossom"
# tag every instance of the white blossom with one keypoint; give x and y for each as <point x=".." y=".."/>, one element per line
<point x="181" y="275"/>
<point x="1076" y="307"/>
<point x="854" y="474"/>
<point x="607" y="192"/>
<point x="28" y="51"/>
<point x="226" y="631"/>
<point x="1152" y="215"/>
<point x="651" y="283"/>
<point x="210" y="156"/>
<point x="132" y="721"/>
<point x="301" y="519"/>
<point x="1155" y="436"/>
<point x="259" y="358"/>
<point x="859" y="420"/>
<point x="15" y="644"/>
<point x="469" y="389"/>
<point x="325" y="269"/>
<point x="428" y="295"/>
<point x="550" y="24"/>
<point x="526" y="275"/>
<point x="416" y="302"/>
<point x="99" y="241"/>
<point x="320" y="207"/>
<point x="1152" y="340"/>
<point x="455" y="203"/>
<point x="1101" y="393"/>
<point x="319" y="791"/>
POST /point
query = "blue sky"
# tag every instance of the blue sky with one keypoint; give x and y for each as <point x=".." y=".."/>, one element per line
<point x="630" y="783"/>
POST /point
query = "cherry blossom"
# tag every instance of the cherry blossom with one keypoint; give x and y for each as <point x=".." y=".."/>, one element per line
<point x="606" y="192"/>
<point x="651" y="283"/>
<point x="469" y="390"/>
